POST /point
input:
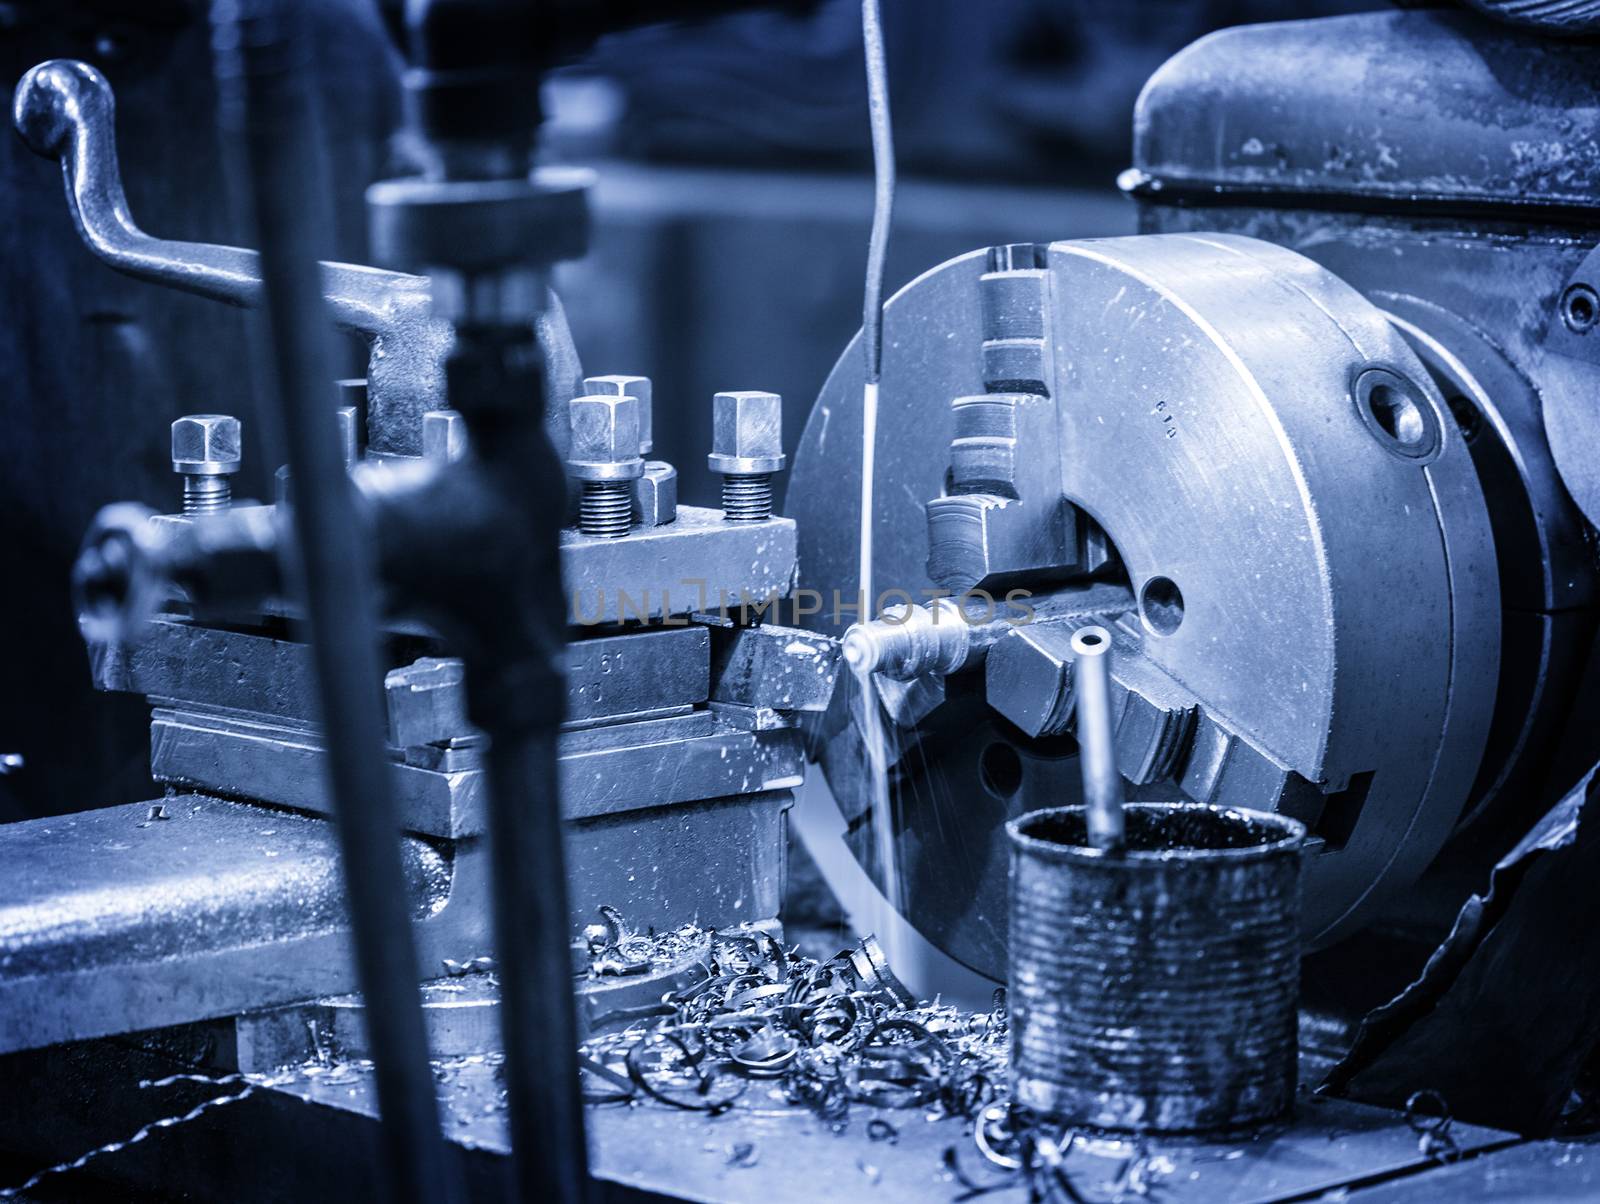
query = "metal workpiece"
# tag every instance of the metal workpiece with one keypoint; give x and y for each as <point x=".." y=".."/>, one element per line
<point x="206" y="451"/>
<point x="1156" y="989"/>
<point x="910" y="641"/>
<point x="1152" y="445"/>
<point x="746" y="449"/>
<point x="948" y="633"/>
<point x="637" y="387"/>
<point x="604" y="458"/>
<point x="1102" y="784"/>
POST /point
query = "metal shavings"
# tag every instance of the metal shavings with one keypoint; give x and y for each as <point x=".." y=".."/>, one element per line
<point x="1139" y="1173"/>
<point x="743" y="1153"/>
<point x="615" y="950"/>
<point x="879" y="1129"/>
<point x="157" y="813"/>
<point x="1020" y="1144"/>
<point x="472" y="965"/>
<point x="829" y="1034"/>
<point x="767" y="1054"/>
<point x="665" y="1067"/>
<point x="1428" y="1116"/>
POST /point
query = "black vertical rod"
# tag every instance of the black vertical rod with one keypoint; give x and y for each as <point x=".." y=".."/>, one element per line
<point x="264" y="89"/>
<point x="549" y="1154"/>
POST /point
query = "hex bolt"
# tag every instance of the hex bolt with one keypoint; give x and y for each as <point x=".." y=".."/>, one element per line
<point x="604" y="457"/>
<point x="628" y="386"/>
<point x="444" y="436"/>
<point x="746" y="449"/>
<point x="205" y="451"/>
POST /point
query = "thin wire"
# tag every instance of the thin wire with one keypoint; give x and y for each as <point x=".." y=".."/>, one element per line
<point x="872" y="345"/>
<point x="877" y="251"/>
<point x="883" y="186"/>
<point x="149" y="1130"/>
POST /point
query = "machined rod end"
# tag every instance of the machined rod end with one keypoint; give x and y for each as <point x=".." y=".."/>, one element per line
<point x="907" y="642"/>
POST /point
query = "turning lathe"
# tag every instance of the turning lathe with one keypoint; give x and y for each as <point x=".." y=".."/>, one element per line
<point x="1315" y="446"/>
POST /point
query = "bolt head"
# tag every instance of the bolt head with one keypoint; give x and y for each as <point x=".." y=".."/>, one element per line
<point x="746" y="432"/>
<point x="605" y="438"/>
<point x="444" y="436"/>
<point x="628" y="386"/>
<point x="655" y="494"/>
<point x="206" y="444"/>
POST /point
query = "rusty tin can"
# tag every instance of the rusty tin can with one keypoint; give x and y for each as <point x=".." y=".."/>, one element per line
<point x="1155" y="989"/>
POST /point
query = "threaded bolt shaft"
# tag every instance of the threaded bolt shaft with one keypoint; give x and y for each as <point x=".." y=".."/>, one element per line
<point x="747" y="497"/>
<point x="204" y="494"/>
<point x="605" y="510"/>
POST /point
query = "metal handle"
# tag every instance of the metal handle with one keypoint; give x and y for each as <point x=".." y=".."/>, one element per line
<point x="65" y="110"/>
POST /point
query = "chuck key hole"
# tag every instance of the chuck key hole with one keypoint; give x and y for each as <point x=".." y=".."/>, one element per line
<point x="1397" y="414"/>
<point x="1161" y="605"/>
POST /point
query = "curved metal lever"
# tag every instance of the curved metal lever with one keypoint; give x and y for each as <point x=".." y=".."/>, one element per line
<point x="65" y="110"/>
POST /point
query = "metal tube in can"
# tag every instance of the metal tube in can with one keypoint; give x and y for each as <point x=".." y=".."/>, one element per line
<point x="1154" y="989"/>
<point x="1102" y="784"/>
